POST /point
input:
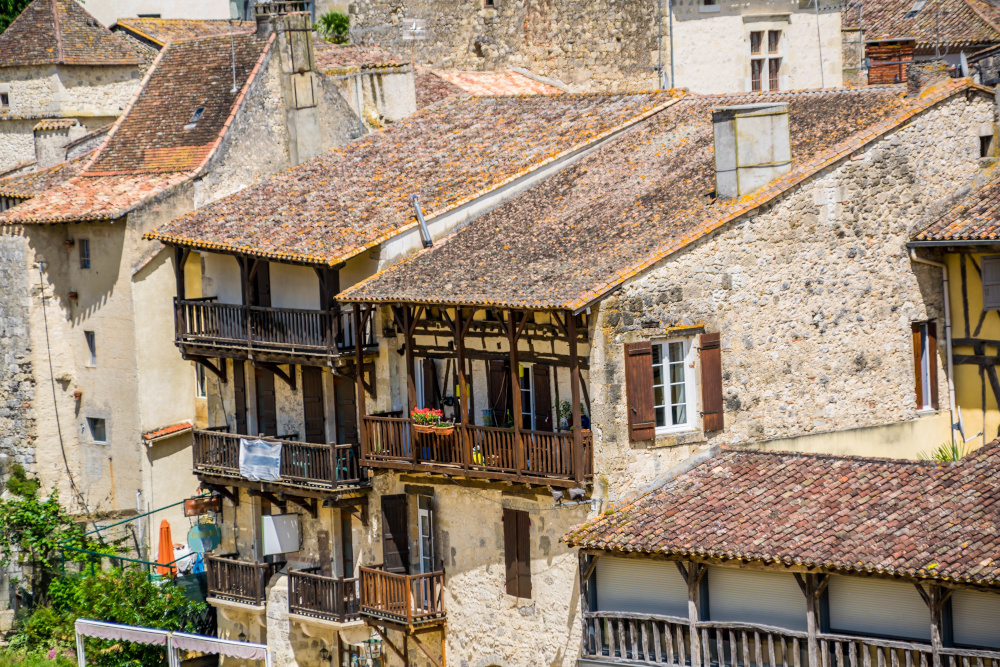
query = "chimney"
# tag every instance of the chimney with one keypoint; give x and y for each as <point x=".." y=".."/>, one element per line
<point x="265" y="11"/>
<point x="752" y="147"/>
<point x="920" y="75"/>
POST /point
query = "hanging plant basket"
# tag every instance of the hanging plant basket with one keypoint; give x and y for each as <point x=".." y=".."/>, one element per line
<point x="444" y="429"/>
<point x="424" y="428"/>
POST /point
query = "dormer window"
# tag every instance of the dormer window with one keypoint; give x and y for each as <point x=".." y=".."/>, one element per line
<point x="195" y="117"/>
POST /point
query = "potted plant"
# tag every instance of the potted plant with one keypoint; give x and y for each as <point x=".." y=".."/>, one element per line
<point x="425" y="419"/>
<point x="444" y="428"/>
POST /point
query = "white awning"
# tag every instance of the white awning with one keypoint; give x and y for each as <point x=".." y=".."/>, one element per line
<point x="227" y="647"/>
<point x="115" y="632"/>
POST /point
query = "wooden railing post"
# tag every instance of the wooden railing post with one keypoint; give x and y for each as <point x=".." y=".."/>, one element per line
<point x="463" y="390"/>
<point x="515" y="388"/>
<point x="574" y="385"/>
<point x="359" y="359"/>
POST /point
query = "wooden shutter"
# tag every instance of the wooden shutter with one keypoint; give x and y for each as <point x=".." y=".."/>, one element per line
<point x="918" y="374"/>
<point x="639" y="390"/>
<point x="345" y="400"/>
<point x="523" y="554"/>
<point x="395" y="536"/>
<point x="312" y="404"/>
<point x="991" y="282"/>
<point x="932" y="362"/>
<point x="501" y="399"/>
<point x="432" y="394"/>
<point x="267" y="408"/>
<point x="543" y="397"/>
<point x="510" y="550"/>
<point x="713" y="418"/>
<point x="262" y="285"/>
<point x="240" y="396"/>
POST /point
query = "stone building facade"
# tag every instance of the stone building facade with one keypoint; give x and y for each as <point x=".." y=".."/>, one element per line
<point x="611" y="46"/>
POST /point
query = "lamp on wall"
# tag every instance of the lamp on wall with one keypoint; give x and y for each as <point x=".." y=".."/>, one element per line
<point x="242" y="636"/>
<point x="324" y="655"/>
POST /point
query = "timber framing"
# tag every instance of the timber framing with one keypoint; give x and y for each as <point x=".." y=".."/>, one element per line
<point x="219" y="482"/>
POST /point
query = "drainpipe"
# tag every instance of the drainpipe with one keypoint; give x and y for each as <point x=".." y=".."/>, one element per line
<point x="425" y="234"/>
<point x="947" y="336"/>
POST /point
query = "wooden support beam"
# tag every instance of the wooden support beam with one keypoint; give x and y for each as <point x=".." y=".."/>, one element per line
<point x="553" y="359"/>
<point x="590" y="569"/>
<point x="427" y="652"/>
<point x="385" y="638"/>
<point x="269" y="497"/>
<point x="812" y="586"/>
<point x="515" y="388"/>
<point x="463" y="389"/>
<point x="308" y="504"/>
<point x="218" y="371"/>
<point x="233" y="496"/>
<point x="359" y="360"/>
<point x="288" y="378"/>
<point x="574" y="386"/>
<point x="180" y="259"/>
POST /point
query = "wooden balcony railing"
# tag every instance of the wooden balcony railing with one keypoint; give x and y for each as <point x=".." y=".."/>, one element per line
<point x="302" y="463"/>
<point x="408" y="599"/>
<point x="646" y="639"/>
<point x="483" y="451"/>
<point x="311" y="332"/>
<point x="239" y="581"/>
<point x="326" y="598"/>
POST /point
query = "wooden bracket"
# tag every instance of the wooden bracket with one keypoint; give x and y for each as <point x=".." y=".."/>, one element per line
<point x="697" y="570"/>
<point x="308" y="504"/>
<point x="810" y="586"/>
<point x="271" y="498"/>
<point x="936" y="601"/>
<point x="500" y="321"/>
<point x="385" y="638"/>
<point x="590" y="569"/>
<point x="426" y="651"/>
<point x="521" y="325"/>
<point x="288" y="378"/>
<point x="233" y="496"/>
<point x="559" y="323"/>
<point x="218" y="371"/>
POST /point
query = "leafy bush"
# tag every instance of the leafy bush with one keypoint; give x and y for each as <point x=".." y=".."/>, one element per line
<point x="335" y="26"/>
<point x="19" y="483"/>
<point x="9" y="9"/>
<point x="14" y="658"/>
<point x="946" y="453"/>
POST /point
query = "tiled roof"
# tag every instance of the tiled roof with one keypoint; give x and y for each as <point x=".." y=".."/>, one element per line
<point x="55" y="124"/>
<point x="155" y="145"/>
<point x="612" y="214"/>
<point x="167" y="431"/>
<point x="975" y="218"/>
<point x="431" y="89"/>
<point x="337" y="58"/>
<point x="951" y="23"/>
<point x="501" y="82"/>
<point x="348" y="200"/>
<point x="909" y="518"/>
<point x="160" y="31"/>
<point x="60" y="32"/>
<point x="30" y="184"/>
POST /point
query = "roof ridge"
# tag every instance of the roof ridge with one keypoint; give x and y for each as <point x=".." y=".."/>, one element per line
<point x="741" y="451"/>
<point x="970" y="4"/>
<point x="58" y="29"/>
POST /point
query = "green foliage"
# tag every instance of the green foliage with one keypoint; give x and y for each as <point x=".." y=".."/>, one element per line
<point x="9" y="10"/>
<point x="945" y="453"/>
<point x="16" y="658"/>
<point x="116" y="596"/>
<point x="334" y="26"/>
<point x="19" y="483"/>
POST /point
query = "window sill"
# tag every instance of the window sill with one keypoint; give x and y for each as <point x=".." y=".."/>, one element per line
<point x="709" y="9"/>
<point x="677" y="438"/>
<point x="927" y="412"/>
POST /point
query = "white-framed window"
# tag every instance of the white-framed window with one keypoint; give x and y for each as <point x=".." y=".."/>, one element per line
<point x="91" y="347"/>
<point x="765" y="60"/>
<point x="200" y="385"/>
<point x="674" y="385"/>
<point x="98" y="430"/>
<point x="425" y="518"/>
<point x="925" y="364"/>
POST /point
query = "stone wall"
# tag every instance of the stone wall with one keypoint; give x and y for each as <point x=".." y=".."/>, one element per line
<point x="813" y="295"/>
<point x="17" y="143"/>
<point x="68" y="91"/>
<point x="17" y="381"/>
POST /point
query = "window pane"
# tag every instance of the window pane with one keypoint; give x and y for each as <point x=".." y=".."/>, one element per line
<point x="677" y="352"/>
<point x="661" y="416"/>
<point x="773" y="37"/>
<point x="658" y="395"/>
<point x="677" y="394"/>
<point x="680" y="414"/>
<point x="755" y="38"/>
<point x="755" y="69"/>
<point x="773" y="65"/>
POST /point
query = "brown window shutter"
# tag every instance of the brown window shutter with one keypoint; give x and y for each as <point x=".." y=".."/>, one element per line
<point x="713" y="418"/>
<point x="523" y="555"/>
<point x="543" y="397"/>
<point x="917" y="374"/>
<point x="510" y="550"/>
<point x="639" y="390"/>
<point x="932" y="362"/>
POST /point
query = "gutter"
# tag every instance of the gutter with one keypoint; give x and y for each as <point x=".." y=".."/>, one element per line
<point x="947" y="335"/>
<point x="958" y="242"/>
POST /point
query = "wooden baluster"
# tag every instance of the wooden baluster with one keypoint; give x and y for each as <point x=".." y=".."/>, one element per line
<point x="706" y="649"/>
<point x="770" y="649"/>
<point x="657" y="652"/>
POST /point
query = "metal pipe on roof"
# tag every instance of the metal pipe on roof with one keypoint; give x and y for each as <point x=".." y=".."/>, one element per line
<point x="425" y="234"/>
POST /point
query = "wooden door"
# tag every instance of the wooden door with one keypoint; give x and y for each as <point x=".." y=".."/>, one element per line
<point x="262" y="285"/>
<point x="543" y="397"/>
<point x="240" y="396"/>
<point x="432" y="393"/>
<point x="395" y="536"/>
<point x="312" y="404"/>
<point x="501" y="400"/>
<point x="267" y="408"/>
<point x="346" y="406"/>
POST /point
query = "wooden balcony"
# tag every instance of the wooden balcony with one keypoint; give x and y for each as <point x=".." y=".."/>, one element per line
<point x="642" y="639"/>
<point x="404" y="599"/>
<point x="486" y="452"/>
<point x="303" y="465"/>
<point x="323" y="598"/>
<point x="232" y="580"/>
<point x="208" y="325"/>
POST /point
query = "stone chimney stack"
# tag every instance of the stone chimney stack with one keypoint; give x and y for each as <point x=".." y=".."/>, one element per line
<point x="920" y="75"/>
<point x="752" y="147"/>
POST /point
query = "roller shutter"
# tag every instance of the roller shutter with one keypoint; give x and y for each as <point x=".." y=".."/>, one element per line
<point x="764" y="598"/>
<point x="976" y="619"/>
<point x="640" y="587"/>
<point x="878" y="607"/>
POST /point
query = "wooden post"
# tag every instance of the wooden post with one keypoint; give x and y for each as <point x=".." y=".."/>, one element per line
<point x="359" y="361"/>
<point x="935" y="604"/>
<point x="411" y="387"/>
<point x="515" y="387"/>
<point x="695" y="571"/>
<point x="463" y="389"/>
<point x="574" y="385"/>
<point x="812" y="586"/>
<point x="180" y="316"/>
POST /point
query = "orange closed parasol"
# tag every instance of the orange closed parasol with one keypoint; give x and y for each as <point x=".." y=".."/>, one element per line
<point x="166" y="550"/>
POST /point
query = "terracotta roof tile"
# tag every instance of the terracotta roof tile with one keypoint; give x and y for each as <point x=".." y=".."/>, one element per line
<point x="60" y="32"/>
<point x="952" y="23"/>
<point x="155" y="146"/>
<point x="610" y="215"/>
<point x="502" y="82"/>
<point x="168" y="431"/>
<point x="431" y="89"/>
<point x="920" y="519"/>
<point x="30" y="184"/>
<point x="975" y="218"/>
<point x="339" y="204"/>
<point x="337" y="58"/>
<point x="160" y="31"/>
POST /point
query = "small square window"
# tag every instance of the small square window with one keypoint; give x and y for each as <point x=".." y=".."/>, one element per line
<point x="195" y="117"/>
<point x="91" y="347"/>
<point x="200" y="386"/>
<point x="489" y="3"/>
<point x="986" y="146"/>
<point x="84" y="253"/>
<point x="98" y="429"/>
<point x="4" y="100"/>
